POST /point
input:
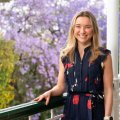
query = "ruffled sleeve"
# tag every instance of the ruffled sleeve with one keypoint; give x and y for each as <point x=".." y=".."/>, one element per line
<point x="65" y="60"/>
<point x="105" y="53"/>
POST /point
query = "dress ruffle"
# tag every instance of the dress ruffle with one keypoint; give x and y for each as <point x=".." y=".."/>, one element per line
<point x="105" y="53"/>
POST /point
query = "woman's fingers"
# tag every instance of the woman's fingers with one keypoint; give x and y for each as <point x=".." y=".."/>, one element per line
<point x="36" y="99"/>
<point x="39" y="98"/>
<point x="45" y="96"/>
<point x="47" y="100"/>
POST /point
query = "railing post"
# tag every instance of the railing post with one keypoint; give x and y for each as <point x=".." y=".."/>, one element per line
<point x="52" y="113"/>
<point x="30" y="117"/>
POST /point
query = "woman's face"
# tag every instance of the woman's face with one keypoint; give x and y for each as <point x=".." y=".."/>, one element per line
<point x="83" y="30"/>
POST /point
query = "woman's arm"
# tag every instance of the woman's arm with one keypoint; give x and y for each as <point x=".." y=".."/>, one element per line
<point x="57" y="89"/>
<point x="108" y="85"/>
<point x="60" y="87"/>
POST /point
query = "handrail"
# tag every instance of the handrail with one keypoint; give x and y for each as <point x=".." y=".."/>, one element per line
<point x="30" y="108"/>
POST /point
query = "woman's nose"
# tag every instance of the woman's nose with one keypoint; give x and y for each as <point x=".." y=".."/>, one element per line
<point x="82" y="30"/>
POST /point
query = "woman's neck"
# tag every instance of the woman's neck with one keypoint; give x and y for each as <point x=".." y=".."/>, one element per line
<point x="81" y="47"/>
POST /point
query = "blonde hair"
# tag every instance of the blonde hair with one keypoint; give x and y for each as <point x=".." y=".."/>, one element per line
<point x="71" y="40"/>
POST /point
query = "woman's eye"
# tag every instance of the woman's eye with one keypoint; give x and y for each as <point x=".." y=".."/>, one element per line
<point x="88" y="27"/>
<point x="77" y="26"/>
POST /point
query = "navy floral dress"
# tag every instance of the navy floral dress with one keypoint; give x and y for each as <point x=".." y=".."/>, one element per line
<point x="85" y="100"/>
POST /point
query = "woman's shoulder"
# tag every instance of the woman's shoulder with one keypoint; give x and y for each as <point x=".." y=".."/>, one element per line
<point x="104" y="53"/>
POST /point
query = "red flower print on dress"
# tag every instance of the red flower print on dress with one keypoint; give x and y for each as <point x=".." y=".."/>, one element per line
<point x="68" y="65"/>
<point x="96" y="82"/>
<point x="76" y="99"/>
<point x="88" y="94"/>
<point x="89" y="104"/>
<point x="63" y="115"/>
<point x="86" y="79"/>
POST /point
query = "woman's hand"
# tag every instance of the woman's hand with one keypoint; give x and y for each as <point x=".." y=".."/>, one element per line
<point x="45" y="96"/>
<point x="57" y="89"/>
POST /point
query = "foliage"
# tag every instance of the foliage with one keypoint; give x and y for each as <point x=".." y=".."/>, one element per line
<point x="7" y="63"/>
<point x="4" y="0"/>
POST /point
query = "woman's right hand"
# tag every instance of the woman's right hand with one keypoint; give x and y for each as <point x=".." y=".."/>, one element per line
<point x="45" y="96"/>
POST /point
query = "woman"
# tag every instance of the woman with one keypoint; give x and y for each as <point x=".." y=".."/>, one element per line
<point x="86" y="70"/>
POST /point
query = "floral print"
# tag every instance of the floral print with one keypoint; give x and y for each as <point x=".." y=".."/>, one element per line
<point x="75" y="99"/>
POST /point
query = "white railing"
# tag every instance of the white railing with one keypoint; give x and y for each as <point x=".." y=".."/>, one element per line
<point x="57" y="117"/>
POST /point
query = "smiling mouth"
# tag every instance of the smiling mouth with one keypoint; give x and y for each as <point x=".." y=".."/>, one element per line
<point x="82" y="37"/>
